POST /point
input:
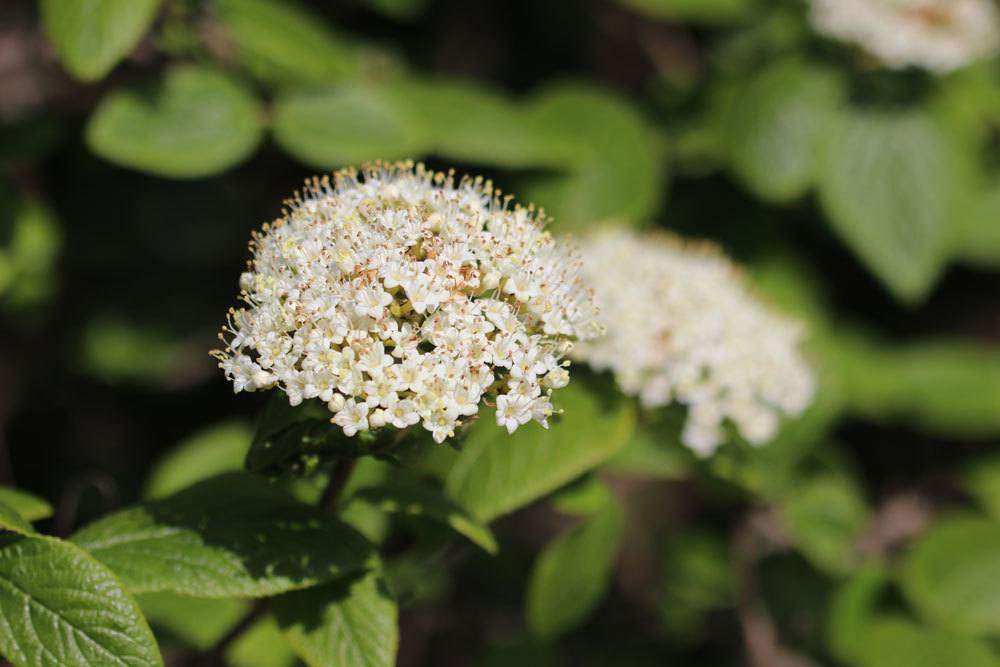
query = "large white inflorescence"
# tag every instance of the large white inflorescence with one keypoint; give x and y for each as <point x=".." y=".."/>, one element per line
<point x="937" y="35"/>
<point x="399" y="295"/>
<point x="683" y="327"/>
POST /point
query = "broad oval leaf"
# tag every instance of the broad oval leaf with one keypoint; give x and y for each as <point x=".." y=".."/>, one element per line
<point x="573" y="572"/>
<point x="283" y="42"/>
<point x="348" y="125"/>
<point x="496" y="473"/>
<point x="775" y="125"/>
<point x="349" y="622"/>
<point x="851" y="611"/>
<point x="231" y="536"/>
<point x="196" y="122"/>
<point x="30" y="506"/>
<point x="211" y="451"/>
<point x="413" y="499"/>
<point x="892" y="184"/>
<point x="609" y="150"/>
<point x="61" y="608"/>
<point x="893" y="641"/>
<point x="91" y="36"/>
<point x="950" y="574"/>
<point x="473" y="123"/>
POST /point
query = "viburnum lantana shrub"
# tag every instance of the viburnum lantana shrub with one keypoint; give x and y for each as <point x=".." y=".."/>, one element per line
<point x="684" y="327"/>
<point x="936" y="35"/>
<point x="398" y="295"/>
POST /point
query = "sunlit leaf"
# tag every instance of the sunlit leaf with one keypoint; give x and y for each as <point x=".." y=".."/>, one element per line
<point x="496" y="473"/>
<point x="216" y="449"/>
<point x="197" y="122"/>
<point x="60" y="607"/>
<point x="231" y="536"/>
<point x="197" y="622"/>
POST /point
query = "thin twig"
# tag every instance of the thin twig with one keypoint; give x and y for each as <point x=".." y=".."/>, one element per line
<point x="341" y="472"/>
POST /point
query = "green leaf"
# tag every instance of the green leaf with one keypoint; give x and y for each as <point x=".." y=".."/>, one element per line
<point x="573" y="572"/>
<point x="950" y="574"/>
<point x="979" y="243"/>
<point x="27" y="262"/>
<point x="472" y="123"/>
<point x="892" y="184"/>
<point x="413" y="499"/>
<point x="698" y="575"/>
<point x="345" y="623"/>
<point x="197" y="122"/>
<point x="214" y="450"/>
<point x="947" y="387"/>
<point x="262" y="645"/>
<point x="496" y="473"/>
<point x="91" y="36"/>
<point x="982" y="481"/>
<point x="582" y="497"/>
<point x="851" y="612"/>
<point x="774" y="128"/>
<point x="61" y="608"/>
<point x="29" y="506"/>
<point x="12" y="521"/>
<point x="649" y="454"/>
<point x="231" y="536"/>
<point x="283" y="42"/>
<point x="198" y="623"/>
<point x="609" y="150"/>
<point x="893" y="641"/>
<point x="697" y="11"/>
<point x="348" y="125"/>
<point x="825" y="517"/>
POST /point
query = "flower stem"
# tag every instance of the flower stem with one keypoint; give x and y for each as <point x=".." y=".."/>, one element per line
<point x="341" y="472"/>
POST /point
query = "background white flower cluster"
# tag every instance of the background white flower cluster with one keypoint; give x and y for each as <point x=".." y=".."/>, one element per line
<point x="401" y="295"/>
<point x="683" y="327"/>
<point x="937" y="35"/>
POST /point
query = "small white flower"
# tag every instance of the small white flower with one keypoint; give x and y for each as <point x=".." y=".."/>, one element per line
<point x="353" y="417"/>
<point x="513" y="410"/>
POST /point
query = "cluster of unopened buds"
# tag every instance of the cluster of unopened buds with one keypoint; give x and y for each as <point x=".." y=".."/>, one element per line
<point x="936" y="35"/>
<point x="684" y="328"/>
<point x="398" y="295"/>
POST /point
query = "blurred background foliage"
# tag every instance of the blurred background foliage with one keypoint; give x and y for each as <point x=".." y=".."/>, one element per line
<point x="142" y="140"/>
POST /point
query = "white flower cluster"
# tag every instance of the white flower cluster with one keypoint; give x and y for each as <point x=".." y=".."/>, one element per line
<point x="683" y="327"/>
<point x="399" y="295"/>
<point x="936" y="35"/>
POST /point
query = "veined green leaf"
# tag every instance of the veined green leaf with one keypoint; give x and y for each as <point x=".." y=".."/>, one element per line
<point x="350" y="622"/>
<point x="231" y="536"/>
<point x="61" y="608"/>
